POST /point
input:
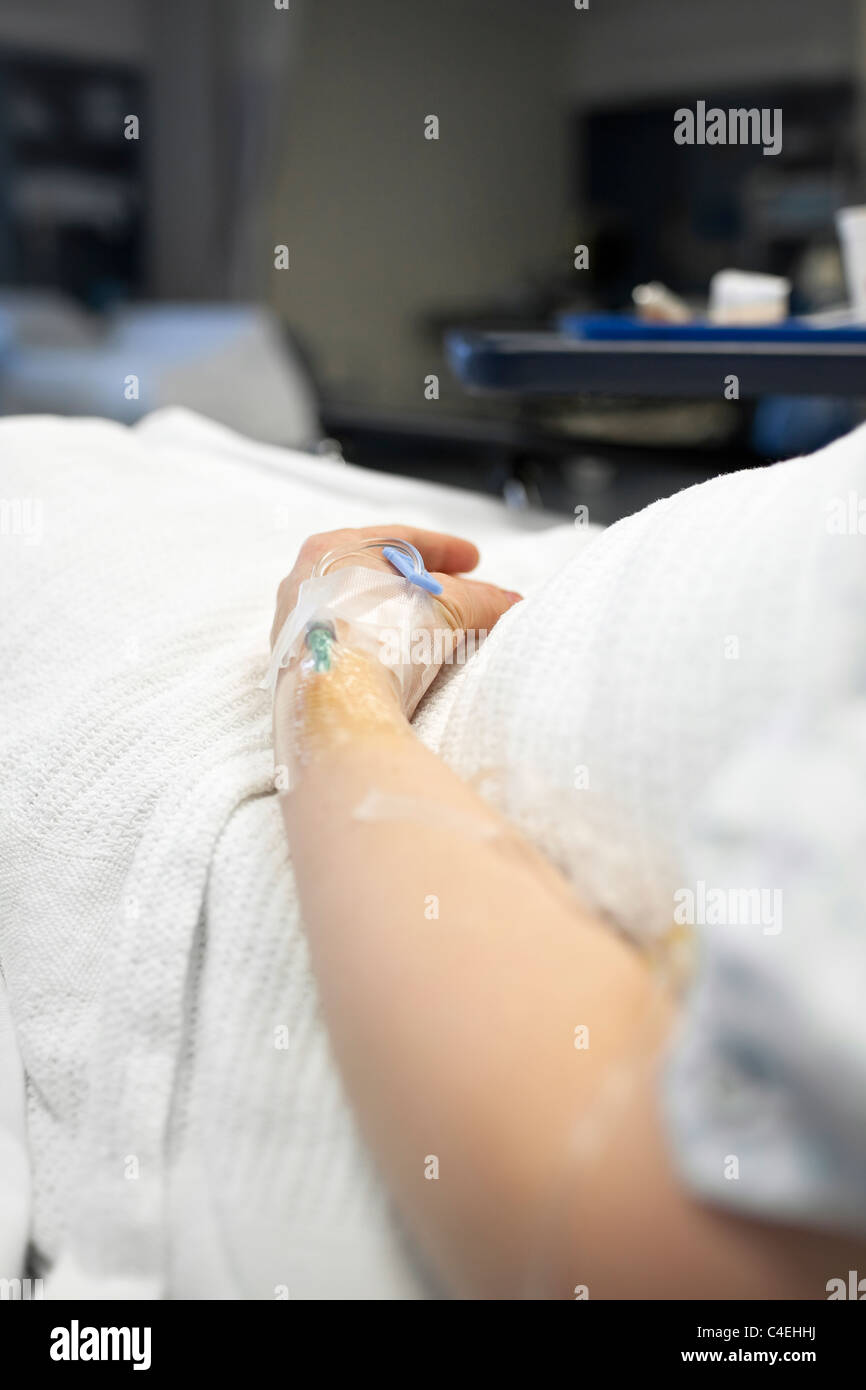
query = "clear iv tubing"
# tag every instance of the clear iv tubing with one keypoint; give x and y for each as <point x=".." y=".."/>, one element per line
<point x="408" y="594"/>
<point x="327" y="561"/>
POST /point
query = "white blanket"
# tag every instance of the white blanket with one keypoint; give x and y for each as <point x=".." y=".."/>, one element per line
<point x="150" y="937"/>
<point x="14" y="1163"/>
<point x="187" y="1128"/>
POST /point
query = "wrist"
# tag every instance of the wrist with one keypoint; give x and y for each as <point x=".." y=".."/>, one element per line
<point x="356" y="700"/>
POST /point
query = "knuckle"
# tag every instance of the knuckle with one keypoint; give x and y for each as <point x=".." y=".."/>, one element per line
<point x="454" y="604"/>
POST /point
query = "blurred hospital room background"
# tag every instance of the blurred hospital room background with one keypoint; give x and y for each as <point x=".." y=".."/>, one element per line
<point x="246" y="208"/>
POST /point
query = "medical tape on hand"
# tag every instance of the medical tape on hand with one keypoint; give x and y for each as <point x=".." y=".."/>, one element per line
<point x="368" y="610"/>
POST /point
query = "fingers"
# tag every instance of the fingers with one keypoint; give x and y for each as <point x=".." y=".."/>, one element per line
<point x="450" y="554"/>
<point x="444" y="555"/>
<point x="473" y="605"/>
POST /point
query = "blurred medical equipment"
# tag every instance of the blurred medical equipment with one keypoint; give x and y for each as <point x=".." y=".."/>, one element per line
<point x="851" y="226"/>
<point x="231" y="362"/>
<point x="657" y="304"/>
<point x="742" y="297"/>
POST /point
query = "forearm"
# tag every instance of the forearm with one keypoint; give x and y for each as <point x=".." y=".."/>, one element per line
<point x="454" y="968"/>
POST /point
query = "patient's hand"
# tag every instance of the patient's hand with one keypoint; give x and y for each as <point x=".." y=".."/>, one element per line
<point x="469" y="604"/>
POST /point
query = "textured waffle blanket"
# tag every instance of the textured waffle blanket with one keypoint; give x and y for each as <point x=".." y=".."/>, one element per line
<point x="187" y="1129"/>
<point x="677" y="709"/>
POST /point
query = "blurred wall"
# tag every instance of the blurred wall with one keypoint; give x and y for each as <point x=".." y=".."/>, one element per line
<point x="221" y="72"/>
<point x="180" y="147"/>
<point x="384" y="225"/>
<point x="87" y="28"/>
<point x="210" y="66"/>
<point x="635" y="48"/>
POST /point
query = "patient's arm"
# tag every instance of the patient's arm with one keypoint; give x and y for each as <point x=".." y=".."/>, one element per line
<point x="454" y="967"/>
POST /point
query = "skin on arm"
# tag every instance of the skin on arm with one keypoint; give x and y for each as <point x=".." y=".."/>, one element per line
<point x="455" y="1031"/>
